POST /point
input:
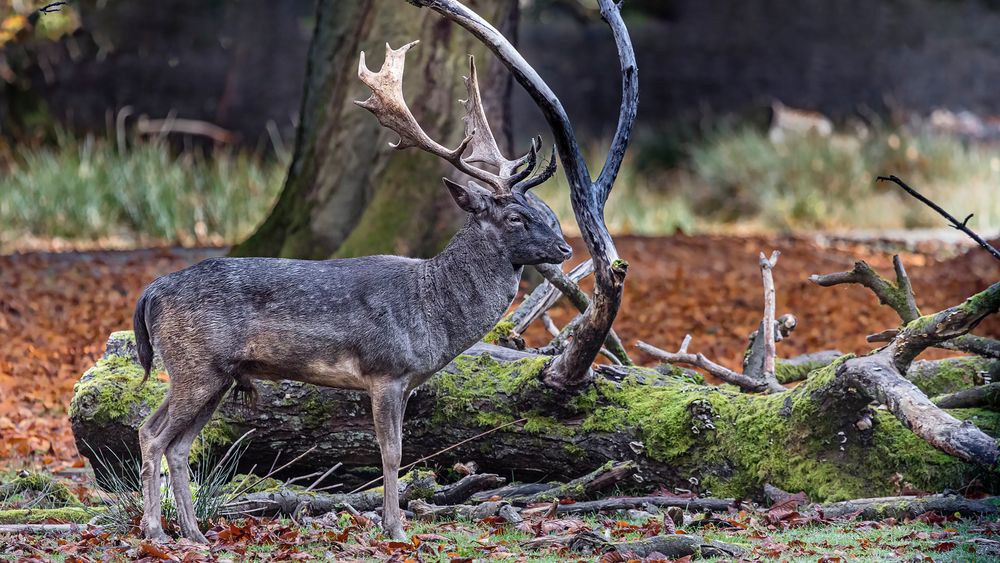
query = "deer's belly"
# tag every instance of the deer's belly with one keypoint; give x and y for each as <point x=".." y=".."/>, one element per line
<point x="343" y="373"/>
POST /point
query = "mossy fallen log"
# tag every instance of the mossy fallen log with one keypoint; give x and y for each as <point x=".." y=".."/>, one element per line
<point x="824" y="437"/>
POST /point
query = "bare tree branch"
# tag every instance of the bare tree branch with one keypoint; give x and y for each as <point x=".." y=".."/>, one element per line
<point x="879" y="377"/>
<point x="572" y="367"/>
<point x="682" y="356"/>
<point x="767" y="327"/>
<point x="960" y="225"/>
<point x="547" y="293"/>
<point x="555" y="276"/>
<point x="898" y="296"/>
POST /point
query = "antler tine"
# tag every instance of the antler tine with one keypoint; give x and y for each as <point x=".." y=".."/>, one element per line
<point x="388" y="106"/>
<point x="528" y="160"/>
<point x="541" y="177"/>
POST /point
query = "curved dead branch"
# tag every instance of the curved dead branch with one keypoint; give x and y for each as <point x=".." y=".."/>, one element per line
<point x="939" y="327"/>
<point x="572" y="367"/>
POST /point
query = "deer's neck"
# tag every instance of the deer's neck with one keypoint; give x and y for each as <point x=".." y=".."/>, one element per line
<point x="466" y="289"/>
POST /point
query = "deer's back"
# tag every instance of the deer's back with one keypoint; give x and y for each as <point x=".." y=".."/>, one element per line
<point x="326" y="322"/>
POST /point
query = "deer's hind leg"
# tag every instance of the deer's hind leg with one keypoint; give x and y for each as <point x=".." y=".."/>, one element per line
<point x="195" y="391"/>
<point x="178" y="456"/>
<point x="152" y="450"/>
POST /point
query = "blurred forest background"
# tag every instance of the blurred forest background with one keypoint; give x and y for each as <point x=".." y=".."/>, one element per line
<point x="131" y="123"/>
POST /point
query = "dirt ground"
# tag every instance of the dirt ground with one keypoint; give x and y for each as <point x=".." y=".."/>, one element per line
<point x="56" y="310"/>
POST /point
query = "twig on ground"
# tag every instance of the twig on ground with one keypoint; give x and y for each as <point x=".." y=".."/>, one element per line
<point x="597" y="480"/>
<point x="443" y="450"/>
<point x="251" y="484"/>
<point x="461" y="490"/>
<point x="337" y="466"/>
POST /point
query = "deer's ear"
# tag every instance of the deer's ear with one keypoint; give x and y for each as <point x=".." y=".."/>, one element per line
<point x="471" y="198"/>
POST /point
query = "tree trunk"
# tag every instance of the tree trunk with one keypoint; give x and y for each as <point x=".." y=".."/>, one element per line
<point x="347" y="192"/>
<point x="821" y="437"/>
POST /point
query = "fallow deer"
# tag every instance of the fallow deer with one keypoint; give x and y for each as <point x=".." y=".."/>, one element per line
<point x="382" y="324"/>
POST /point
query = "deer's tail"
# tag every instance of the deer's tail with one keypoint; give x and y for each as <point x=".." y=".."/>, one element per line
<point x="144" y="348"/>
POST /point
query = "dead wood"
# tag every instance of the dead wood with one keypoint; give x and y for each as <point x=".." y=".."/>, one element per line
<point x="682" y="356"/>
<point x="615" y="504"/>
<point x="461" y="490"/>
<point x="460" y="403"/>
<point x="767" y="324"/>
<point x="672" y="546"/>
<point x="514" y="490"/>
<point x="908" y="507"/>
<point x="987" y="396"/>
<point x="753" y="360"/>
<point x="427" y="511"/>
<point x="43" y="529"/>
<point x="546" y="294"/>
<point x="900" y="298"/>
<point x="600" y="479"/>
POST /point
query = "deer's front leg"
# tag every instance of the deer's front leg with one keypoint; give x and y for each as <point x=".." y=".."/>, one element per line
<point x="388" y="403"/>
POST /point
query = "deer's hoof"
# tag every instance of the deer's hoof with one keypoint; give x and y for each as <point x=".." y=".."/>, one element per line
<point x="196" y="536"/>
<point x="157" y="536"/>
<point x="396" y="533"/>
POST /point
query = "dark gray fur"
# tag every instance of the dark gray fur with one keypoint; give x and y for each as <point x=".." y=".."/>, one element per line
<point x="382" y="324"/>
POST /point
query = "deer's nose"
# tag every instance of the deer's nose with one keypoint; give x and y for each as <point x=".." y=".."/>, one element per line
<point x="566" y="249"/>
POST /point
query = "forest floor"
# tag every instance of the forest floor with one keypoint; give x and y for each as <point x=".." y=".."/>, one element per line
<point x="57" y="309"/>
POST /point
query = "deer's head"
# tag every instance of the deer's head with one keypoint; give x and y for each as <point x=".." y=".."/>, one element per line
<point x="497" y="196"/>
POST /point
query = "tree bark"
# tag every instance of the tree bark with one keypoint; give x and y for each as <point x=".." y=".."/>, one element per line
<point x="823" y="437"/>
<point x="347" y="192"/>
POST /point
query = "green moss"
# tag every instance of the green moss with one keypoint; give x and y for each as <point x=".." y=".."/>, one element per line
<point x="419" y="483"/>
<point x="574" y="450"/>
<point x="948" y="376"/>
<point x="787" y="372"/>
<point x="77" y="515"/>
<point x="54" y="494"/>
<point x="481" y="387"/>
<point x="921" y="322"/>
<point x="986" y="300"/>
<point x="252" y="484"/>
<point x="546" y="426"/>
<point x="735" y="442"/>
<point x="111" y="390"/>
<point x="126" y="336"/>
<point x="502" y="330"/>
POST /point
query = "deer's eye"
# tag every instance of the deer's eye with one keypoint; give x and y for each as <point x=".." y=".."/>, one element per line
<point x="515" y="219"/>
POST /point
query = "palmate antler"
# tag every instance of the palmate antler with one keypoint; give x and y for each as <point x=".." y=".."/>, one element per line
<point x="389" y="107"/>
